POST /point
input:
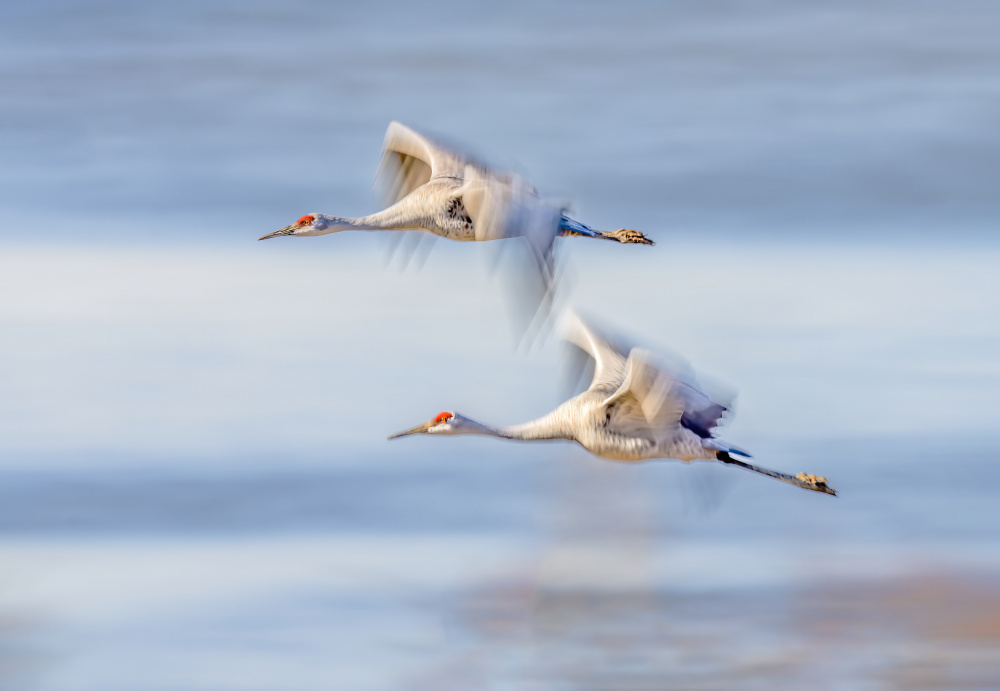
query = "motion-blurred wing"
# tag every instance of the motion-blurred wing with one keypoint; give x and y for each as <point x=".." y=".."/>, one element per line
<point x="506" y="206"/>
<point x="660" y="403"/>
<point x="609" y="357"/>
<point x="701" y="414"/>
<point x="410" y="160"/>
<point x="663" y="399"/>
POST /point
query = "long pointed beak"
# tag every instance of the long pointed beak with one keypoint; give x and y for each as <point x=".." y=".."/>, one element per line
<point x="287" y="230"/>
<point x="416" y="430"/>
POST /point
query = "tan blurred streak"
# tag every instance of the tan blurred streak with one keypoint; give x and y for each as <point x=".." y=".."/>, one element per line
<point x="925" y="631"/>
<point x="589" y="613"/>
<point x="936" y="630"/>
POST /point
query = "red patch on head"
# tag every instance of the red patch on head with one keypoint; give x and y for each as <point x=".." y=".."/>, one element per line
<point x="442" y="417"/>
<point x="306" y="220"/>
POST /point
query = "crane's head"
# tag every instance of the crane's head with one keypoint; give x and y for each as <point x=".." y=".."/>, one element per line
<point x="310" y="224"/>
<point x="443" y="423"/>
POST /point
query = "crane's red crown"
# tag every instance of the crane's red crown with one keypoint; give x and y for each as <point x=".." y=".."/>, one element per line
<point x="442" y="417"/>
<point x="306" y="220"/>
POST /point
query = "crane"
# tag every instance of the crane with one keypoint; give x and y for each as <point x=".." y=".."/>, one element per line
<point x="635" y="409"/>
<point x="438" y="189"/>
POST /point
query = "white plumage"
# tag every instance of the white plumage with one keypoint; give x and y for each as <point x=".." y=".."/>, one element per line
<point x="634" y="410"/>
<point x="431" y="187"/>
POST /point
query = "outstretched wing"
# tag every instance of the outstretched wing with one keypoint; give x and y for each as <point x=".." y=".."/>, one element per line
<point x="701" y="413"/>
<point x="609" y="357"/>
<point x="658" y="400"/>
<point x="502" y="206"/>
<point x="410" y="159"/>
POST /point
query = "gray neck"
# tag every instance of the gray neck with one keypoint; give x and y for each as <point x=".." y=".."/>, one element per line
<point x="547" y="427"/>
<point x="396" y="217"/>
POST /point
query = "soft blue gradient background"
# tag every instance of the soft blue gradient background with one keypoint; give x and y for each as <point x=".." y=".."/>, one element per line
<point x="195" y="487"/>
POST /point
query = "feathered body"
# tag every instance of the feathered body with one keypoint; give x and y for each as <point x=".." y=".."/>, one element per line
<point x="633" y="410"/>
<point x="431" y="187"/>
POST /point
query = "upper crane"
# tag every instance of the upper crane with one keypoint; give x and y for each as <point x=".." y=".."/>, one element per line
<point x="438" y="189"/>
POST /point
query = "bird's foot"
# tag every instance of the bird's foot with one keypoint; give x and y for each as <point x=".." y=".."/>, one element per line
<point x="815" y="482"/>
<point x="627" y="236"/>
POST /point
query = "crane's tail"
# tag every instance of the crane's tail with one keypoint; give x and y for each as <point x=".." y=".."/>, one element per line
<point x="570" y="227"/>
<point x="803" y="480"/>
<point x="719" y="445"/>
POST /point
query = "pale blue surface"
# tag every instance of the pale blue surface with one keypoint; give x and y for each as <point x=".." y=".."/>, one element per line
<point x="195" y="487"/>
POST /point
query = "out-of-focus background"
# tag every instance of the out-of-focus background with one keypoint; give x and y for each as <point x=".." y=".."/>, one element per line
<point x="195" y="488"/>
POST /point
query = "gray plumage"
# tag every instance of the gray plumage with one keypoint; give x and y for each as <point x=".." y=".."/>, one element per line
<point x="635" y="409"/>
<point x="435" y="188"/>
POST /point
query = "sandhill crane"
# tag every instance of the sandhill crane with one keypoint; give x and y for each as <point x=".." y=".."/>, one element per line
<point x="443" y="191"/>
<point x="634" y="410"/>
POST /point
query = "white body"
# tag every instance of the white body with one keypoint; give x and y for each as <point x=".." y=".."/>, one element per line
<point x="434" y="188"/>
<point x="633" y="410"/>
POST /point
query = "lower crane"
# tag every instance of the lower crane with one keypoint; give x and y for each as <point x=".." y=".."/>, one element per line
<point x="634" y="410"/>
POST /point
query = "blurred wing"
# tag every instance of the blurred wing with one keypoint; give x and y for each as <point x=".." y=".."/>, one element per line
<point x="625" y="417"/>
<point x="609" y="357"/>
<point x="410" y="160"/>
<point x="660" y="403"/>
<point x="663" y="400"/>
<point x="506" y="206"/>
<point x="701" y="414"/>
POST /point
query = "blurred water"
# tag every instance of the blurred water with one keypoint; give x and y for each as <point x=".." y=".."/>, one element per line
<point x="220" y="120"/>
<point x="195" y="490"/>
<point x="502" y="572"/>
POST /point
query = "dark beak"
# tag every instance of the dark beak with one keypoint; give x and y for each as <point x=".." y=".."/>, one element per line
<point x="416" y="430"/>
<point x="287" y="230"/>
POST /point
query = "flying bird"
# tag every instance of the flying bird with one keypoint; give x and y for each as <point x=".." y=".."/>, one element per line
<point x="438" y="189"/>
<point x="634" y="410"/>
